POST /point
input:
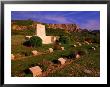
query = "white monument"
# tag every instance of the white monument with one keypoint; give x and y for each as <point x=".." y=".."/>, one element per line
<point x="41" y="32"/>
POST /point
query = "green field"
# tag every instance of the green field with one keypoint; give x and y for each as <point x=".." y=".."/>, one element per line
<point x="72" y="68"/>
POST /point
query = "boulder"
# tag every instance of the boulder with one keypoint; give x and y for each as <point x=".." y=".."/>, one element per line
<point x="62" y="61"/>
<point x="80" y="44"/>
<point x="75" y="45"/>
<point x="62" y="48"/>
<point x="77" y="56"/>
<point x="34" y="52"/>
<point x="50" y="50"/>
<point x="93" y="48"/>
<point x="12" y="57"/>
<point x="36" y="71"/>
<point x="87" y="71"/>
<point x="87" y="42"/>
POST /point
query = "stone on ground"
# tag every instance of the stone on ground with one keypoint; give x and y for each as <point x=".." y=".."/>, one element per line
<point x="80" y="44"/>
<point x="36" y="71"/>
<point x="77" y="56"/>
<point x="93" y="48"/>
<point x="87" y="71"/>
<point x="62" y="61"/>
<point x="62" y="48"/>
<point x="87" y="42"/>
<point x="75" y="46"/>
<point x="50" y="50"/>
<point x="34" y="52"/>
<point x="12" y="56"/>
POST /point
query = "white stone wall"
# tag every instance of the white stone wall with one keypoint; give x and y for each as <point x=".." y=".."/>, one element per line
<point x="41" y="32"/>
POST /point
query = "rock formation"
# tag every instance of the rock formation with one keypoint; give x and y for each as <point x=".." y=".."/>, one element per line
<point x="69" y="27"/>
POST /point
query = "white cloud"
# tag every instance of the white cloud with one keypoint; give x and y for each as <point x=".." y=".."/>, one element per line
<point x="58" y="19"/>
<point x="91" y="24"/>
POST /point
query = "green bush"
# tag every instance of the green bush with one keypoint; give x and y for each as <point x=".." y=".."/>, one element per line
<point x="56" y="32"/>
<point x="27" y="43"/>
<point x="26" y="53"/>
<point x="35" y="41"/>
<point x="24" y="22"/>
<point x="64" y="40"/>
<point x="57" y="45"/>
<point x="30" y="31"/>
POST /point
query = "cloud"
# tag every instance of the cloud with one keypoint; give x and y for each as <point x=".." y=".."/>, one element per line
<point x="57" y="19"/>
<point x="66" y="14"/>
<point x="91" y="24"/>
<point x="85" y="19"/>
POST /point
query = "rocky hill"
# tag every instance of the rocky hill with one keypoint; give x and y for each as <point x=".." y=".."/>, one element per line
<point x="27" y="24"/>
<point x="69" y="27"/>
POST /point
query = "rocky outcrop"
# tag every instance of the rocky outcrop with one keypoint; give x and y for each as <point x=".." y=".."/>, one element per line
<point x="69" y="27"/>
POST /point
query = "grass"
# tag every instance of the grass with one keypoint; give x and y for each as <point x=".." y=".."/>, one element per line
<point x="91" y="60"/>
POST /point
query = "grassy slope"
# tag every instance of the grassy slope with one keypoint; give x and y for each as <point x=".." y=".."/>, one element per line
<point x="89" y="61"/>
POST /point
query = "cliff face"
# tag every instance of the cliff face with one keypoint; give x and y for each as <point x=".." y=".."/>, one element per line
<point x="69" y="27"/>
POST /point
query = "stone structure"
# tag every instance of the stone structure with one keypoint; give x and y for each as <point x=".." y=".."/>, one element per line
<point x="41" y="32"/>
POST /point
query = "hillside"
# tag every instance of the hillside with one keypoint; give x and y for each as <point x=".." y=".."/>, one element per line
<point x="85" y="44"/>
<point x="27" y="24"/>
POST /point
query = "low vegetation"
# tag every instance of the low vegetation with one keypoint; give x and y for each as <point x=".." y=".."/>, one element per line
<point x="89" y="60"/>
<point x="34" y="41"/>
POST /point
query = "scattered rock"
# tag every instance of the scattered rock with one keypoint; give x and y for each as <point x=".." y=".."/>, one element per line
<point x="59" y="43"/>
<point x="77" y="42"/>
<point x="12" y="57"/>
<point x="93" y="48"/>
<point x="34" y="52"/>
<point x="62" y="61"/>
<point x="77" y="56"/>
<point x="27" y="37"/>
<point x="75" y="46"/>
<point x="50" y="50"/>
<point x="36" y="71"/>
<point x="80" y="44"/>
<point x="87" y="71"/>
<point x="62" y="48"/>
<point x="86" y="42"/>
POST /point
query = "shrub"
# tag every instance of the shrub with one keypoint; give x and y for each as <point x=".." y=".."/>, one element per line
<point x="64" y="39"/>
<point x="35" y="41"/>
<point x="57" y="45"/>
<point x="27" y="43"/>
<point x="70" y="54"/>
<point x="26" y="53"/>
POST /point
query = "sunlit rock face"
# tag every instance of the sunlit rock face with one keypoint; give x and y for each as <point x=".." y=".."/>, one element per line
<point x="70" y="27"/>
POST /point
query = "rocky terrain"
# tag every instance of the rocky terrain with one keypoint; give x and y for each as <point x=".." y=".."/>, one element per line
<point x="21" y="25"/>
<point x="69" y="27"/>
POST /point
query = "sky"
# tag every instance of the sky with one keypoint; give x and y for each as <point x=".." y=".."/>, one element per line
<point x="84" y="19"/>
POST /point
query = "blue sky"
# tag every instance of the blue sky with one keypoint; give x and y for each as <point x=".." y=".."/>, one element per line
<point x="85" y="19"/>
